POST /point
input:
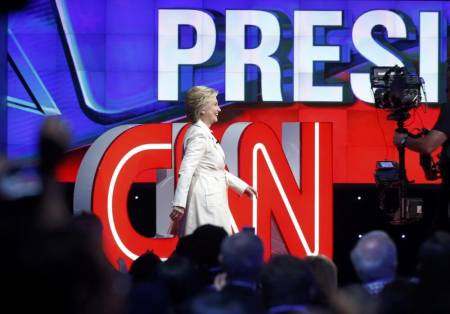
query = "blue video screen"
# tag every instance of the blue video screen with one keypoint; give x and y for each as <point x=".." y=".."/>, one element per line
<point x="95" y="63"/>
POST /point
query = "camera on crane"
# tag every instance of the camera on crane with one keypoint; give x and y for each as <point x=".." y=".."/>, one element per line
<point x="396" y="90"/>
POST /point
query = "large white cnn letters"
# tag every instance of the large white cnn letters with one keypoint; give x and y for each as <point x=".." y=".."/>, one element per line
<point x="237" y="56"/>
<point x="429" y="54"/>
<point x="170" y="56"/>
<point x="310" y="52"/>
<point x="305" y="53"/>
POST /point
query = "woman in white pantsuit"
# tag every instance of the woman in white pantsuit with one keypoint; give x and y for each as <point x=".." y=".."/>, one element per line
<point x="201" y="196"/>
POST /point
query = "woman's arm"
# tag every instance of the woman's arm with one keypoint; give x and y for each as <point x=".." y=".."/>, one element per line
<point x="236" y="183"/>
<point x="194" y="151"/>
<point x="239" y="185"/>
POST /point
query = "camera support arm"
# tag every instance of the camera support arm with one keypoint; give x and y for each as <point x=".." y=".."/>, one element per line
<point x="402" y="191"/>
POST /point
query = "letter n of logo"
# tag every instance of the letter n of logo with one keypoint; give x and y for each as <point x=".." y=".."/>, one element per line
<point x="302" y="212"/>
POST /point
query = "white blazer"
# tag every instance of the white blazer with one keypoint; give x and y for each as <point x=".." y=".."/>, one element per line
<point x="203" y="182"/>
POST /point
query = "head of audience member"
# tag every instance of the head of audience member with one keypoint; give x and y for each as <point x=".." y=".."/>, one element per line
<point x="214" y="303"/>
<point x="242" y="256"/>
<point x="145" y="267"/>
<point x="202" y="246"/>
<point x="181" y="279"/>
<point x="185" y="247"/>
<point x="325" y="273"/>
<point x="207" y="241"/>
<point x="434" y="261"/>
<point x="147" y="294"/>
<point x="374" y="257"/>
<point x="287" y="280"/>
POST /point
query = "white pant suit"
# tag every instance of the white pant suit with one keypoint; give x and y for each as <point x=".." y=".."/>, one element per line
<point x="203" y="182"/>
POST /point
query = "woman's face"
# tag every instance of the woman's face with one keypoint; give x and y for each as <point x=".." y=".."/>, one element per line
<point x="209" y="114"/>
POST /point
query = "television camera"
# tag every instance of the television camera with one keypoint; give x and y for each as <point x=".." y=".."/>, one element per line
<point x="397" y="91"/>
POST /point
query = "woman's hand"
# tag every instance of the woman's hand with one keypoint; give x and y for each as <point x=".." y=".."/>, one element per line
<point x="250" y="192"/>
<point x="177" y="213"/>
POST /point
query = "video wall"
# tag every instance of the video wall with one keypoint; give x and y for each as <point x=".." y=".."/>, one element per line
<point x="100" y="64"/>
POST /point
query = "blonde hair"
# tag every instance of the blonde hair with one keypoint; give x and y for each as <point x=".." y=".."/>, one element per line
<point x="196" y="99"/>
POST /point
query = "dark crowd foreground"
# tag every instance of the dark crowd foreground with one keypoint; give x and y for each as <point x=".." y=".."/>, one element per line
<point x="54" y="262"/>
